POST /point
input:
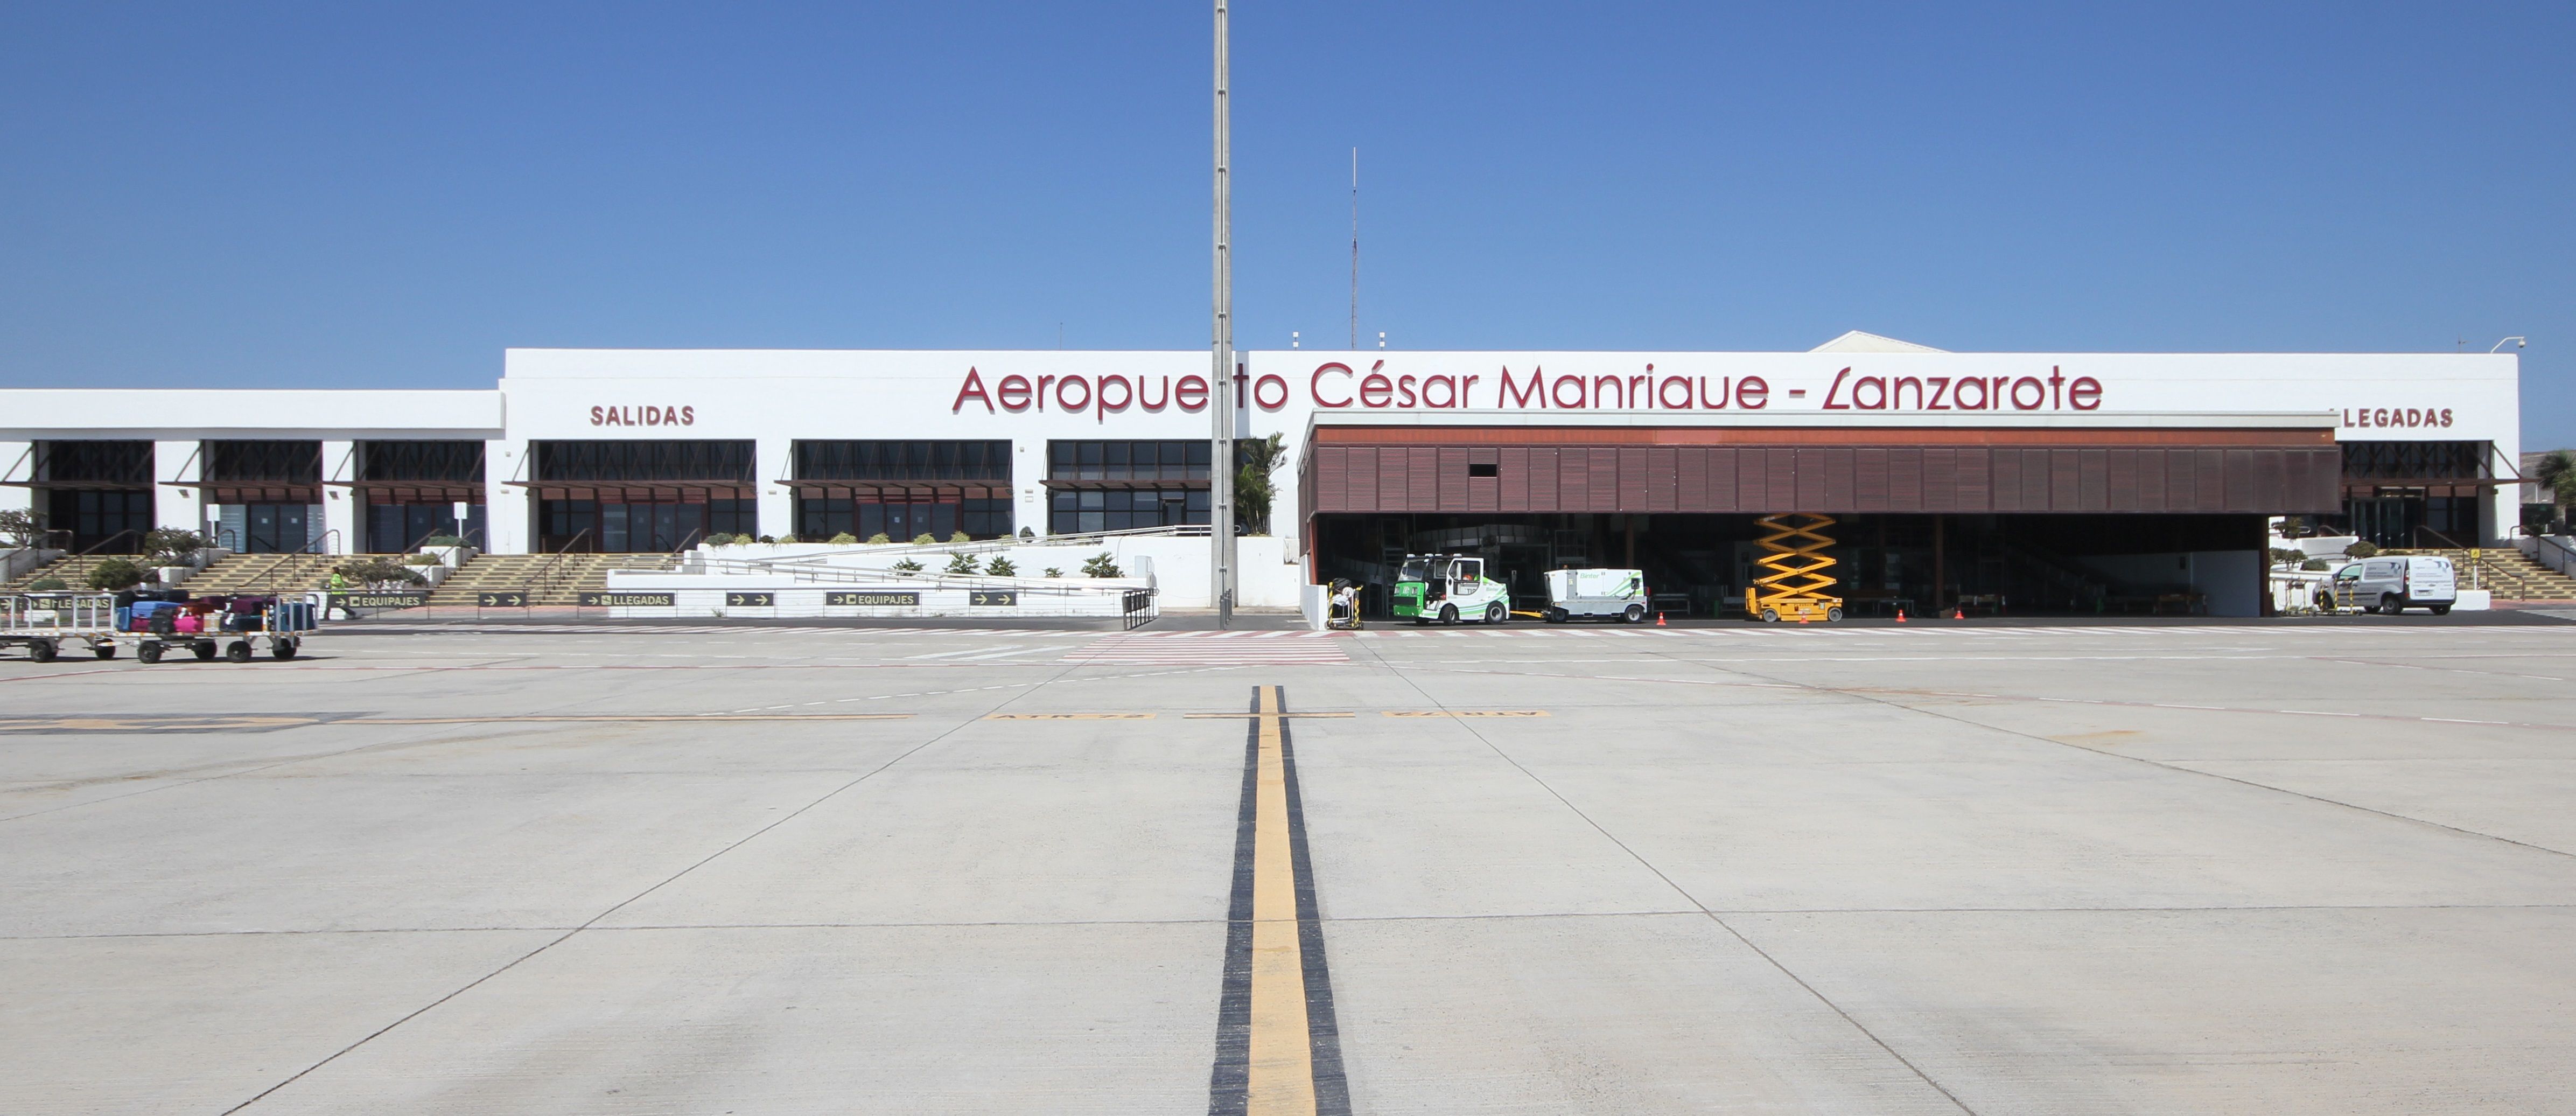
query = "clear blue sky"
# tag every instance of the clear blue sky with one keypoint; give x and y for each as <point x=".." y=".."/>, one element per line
<point x="389" y="195"/>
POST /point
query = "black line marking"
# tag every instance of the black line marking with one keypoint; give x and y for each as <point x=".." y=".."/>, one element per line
<point x="1229" y="1084"/>
<point x="1332" y="1089"/>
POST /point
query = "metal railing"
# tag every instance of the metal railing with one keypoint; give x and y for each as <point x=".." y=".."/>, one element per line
<point x="986" y="546"/>
<point x="2548" y="551"/>
<point x="547" y="578"/>
<point x="46" y="613"/>
<point x="2480" y="565"/>
<point x="925" y="577"/>
<point x="1137" y="609"/>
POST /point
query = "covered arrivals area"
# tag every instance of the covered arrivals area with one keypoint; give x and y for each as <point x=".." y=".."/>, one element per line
<point x="2062" y="515"/>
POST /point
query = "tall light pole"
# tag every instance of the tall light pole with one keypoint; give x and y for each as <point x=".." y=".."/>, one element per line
<point x="1355" y="249"/>
<point x="1221" y="358"/>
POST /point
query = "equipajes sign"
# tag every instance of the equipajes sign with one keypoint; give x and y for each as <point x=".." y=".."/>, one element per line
<point x="628" y="600"/>
<point x="898" y="598"/>
<point x="406" y="598"/>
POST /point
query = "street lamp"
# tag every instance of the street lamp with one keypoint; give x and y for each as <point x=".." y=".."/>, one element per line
<point x="2518" y="342"/>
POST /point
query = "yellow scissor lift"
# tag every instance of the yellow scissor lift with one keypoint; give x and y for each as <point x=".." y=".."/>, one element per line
<point x="1795" y="587"/>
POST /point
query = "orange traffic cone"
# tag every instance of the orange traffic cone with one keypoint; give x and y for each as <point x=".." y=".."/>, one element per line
<point x="1956" y="613"/>
<point x="1659" y="621"/>
<point x="1900" y="616"/>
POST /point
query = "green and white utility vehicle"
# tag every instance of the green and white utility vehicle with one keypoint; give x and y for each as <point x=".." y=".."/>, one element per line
<point x="1449" y="588"/>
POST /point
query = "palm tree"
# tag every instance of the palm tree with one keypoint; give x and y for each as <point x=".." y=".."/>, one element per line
<point x="2556" y="473"/>
<point x="1253" y="492"/>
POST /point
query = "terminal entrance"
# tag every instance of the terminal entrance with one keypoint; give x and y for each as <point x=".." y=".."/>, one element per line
<point x="2156" y="517"/>
<point x="1703" y="565"/>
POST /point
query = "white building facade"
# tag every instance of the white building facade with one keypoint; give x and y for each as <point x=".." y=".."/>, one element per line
<point x="652" y="450"/>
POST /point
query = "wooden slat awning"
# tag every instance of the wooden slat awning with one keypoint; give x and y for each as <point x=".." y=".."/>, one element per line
<point x="1128" y="485"/>
<point x="641" y="492"/>
<point x="906" y="491"/>
<point x="82" y="485"/>
<point x="241" y="492"/>
<point x="2358" y="484"/>
<point x="1763" y="471"/>
<point x="414" y="492"/>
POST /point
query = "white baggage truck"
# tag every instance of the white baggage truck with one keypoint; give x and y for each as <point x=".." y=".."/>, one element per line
<point x="46" y="624"/>
<point x="1615" y="594"/>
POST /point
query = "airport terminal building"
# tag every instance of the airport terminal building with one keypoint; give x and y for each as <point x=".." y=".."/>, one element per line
<point x="1949" y="474"/>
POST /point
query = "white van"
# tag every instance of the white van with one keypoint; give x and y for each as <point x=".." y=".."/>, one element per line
<point x="1617" y="594"/>
<point x="2397" y="582"/>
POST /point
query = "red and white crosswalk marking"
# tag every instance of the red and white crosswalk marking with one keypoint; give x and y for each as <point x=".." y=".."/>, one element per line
<point x="1214" y="649"/>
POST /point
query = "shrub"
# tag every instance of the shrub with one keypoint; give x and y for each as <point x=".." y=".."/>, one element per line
<point x="844" y="539"/>
<point x="378" y="573"/>
<point x="720" y="538"/>
<point x="924" y="539"/>
<point x="48" y="585"/>
<point x="2363" y="549"/>
<point x="442" y="540"/>
<point x="962" y="564"/>
<point x="2314" y="564"/>
<point x="1026" y="534"/>
<point x="170" y="546"/>
<point x="115" y="573"/>
<point x="421" y="560"/>
<point x="1052" y="571"/>
<point x="879" y="539"/>
<point x="1101" y="565"/>
<point x="763" y="538"/>
<point x="2284" y="556"/>
<point x="906" y="568"/>
<point x="1002" y="567"/>
<point x="958" y="537"/>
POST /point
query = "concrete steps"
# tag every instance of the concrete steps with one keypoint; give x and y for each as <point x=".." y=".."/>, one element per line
<point x="73" y="570"/>
<point x="264" y="573"/>
<point x="2509" y="574"/>
<point x="548" y="579"/>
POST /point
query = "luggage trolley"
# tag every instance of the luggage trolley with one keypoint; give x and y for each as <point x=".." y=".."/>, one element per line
<point x="281" y="627"/>
<point x="44" y="623"/>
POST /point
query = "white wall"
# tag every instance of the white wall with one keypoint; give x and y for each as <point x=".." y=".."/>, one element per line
<point x="1179" y="564"/>
<point x="774" y="397"/>
<point x="339" y="511"/>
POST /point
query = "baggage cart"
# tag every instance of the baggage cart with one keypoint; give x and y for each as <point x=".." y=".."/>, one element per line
<point x="277" y="627"/>
<point x="47" y="624"/>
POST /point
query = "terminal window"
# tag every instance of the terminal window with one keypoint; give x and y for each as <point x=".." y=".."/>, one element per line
<point x="988" y="461"/>
<point x="249" y="461"/>
<point x="678" y="460"/>
<point x="639" y="527"/>
<point x="820" y="519"/>
<point x="1080" y="510"/>
<point x="2415" y="460"/>
<point x="110" y="519"/>
<point x="1094" y="461"/>
<point x="95" y="462"/>
<point x="452" y="461"/>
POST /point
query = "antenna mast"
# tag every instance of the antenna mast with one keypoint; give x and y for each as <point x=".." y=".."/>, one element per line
<point x="1355" y="248"/>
